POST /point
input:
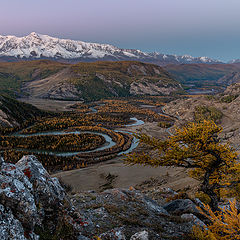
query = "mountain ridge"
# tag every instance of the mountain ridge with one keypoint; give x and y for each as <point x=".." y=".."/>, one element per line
<point x="84" y="81"/>
<point x="39" y="46"/>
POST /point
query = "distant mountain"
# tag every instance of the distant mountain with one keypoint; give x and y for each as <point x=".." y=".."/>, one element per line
<point x="186" y="73"/>
<point x="205" y="76"/>
<point x="38" y="46"/>
<point x="84" y="81"/>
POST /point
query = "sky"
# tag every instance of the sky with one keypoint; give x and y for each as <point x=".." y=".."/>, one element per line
<point x="194" y="27"/>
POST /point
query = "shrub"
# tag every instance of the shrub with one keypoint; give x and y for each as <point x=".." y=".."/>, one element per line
<point x="164" y="124"/>
<point x="207" y="113"/>
<point x="229" y="98"/>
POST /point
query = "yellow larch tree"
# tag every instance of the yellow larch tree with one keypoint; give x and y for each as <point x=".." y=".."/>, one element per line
<point x="225" y="224"/>
<point x="196" y="147"/>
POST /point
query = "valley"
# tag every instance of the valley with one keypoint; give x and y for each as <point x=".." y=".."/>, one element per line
<point x="60" y="140"/>
<point x="80" y="117"/>
<point x="115" y="121"/>
<point x="119" y="120"/>
<point x="205" y="78"/>
<point x="82" y="121"/>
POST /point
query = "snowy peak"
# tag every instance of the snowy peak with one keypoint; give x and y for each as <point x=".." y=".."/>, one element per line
<point x="235" y="61"/>
<point x="36" y="46"/>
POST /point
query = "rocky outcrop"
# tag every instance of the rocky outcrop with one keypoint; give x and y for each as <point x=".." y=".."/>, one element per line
<point x="181" y="206"/>
<point x="33" y="205"/>
<point x="10" y="227"/>
<point x="125" y="214"/>
<point x="145" y="87"/>
<point x="55" y="86"/>
<point x="233" y="89"/>
<point x="27" y="195"/>
<point x="47" y="191"/>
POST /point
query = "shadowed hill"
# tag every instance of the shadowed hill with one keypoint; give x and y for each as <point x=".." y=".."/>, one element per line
<point x="14" y="113"/>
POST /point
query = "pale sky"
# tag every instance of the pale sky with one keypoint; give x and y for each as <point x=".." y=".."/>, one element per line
<point x="194" y="27"/>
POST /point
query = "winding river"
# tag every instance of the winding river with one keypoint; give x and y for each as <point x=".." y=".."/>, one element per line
<point x="109" y="142"/>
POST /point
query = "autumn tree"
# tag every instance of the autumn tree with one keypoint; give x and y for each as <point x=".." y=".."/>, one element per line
<point x="196" y="147"/>
<point x="223" y="224"/>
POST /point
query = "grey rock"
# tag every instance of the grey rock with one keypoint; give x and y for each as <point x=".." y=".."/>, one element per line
<point x="130" y="209"/>
<point x="193" y="219"/>
<point x="33" y="236"/>
<point x="8" y="169"/>
<point x="168" y="191"/>
<point x="181" y="206"/>
<point x="1" y="161"/>
<point x="28" y="195"/>
<point x="198" y="202"/>
<point x="16" y="194"/>
<point x="152" y="205"/>
<point x="140" y="236"/>
<point x="10" y="228"/>
<point x="47" y="190"/>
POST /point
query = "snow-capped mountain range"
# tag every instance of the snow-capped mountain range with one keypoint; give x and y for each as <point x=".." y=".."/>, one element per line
<point x="38" y="46"/>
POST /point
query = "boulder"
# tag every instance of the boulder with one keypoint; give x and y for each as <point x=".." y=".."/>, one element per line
<point x="181" y="206"/>
<point x="193" y="219"/>
<point x="153" y="206"/>
<point x="81" y="237"/>
<point x="47" y="191"/>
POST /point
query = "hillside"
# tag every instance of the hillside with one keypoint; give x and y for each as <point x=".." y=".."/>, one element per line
<point x="14" y="113"/>
<point x="13" y="75"/>
<point x="223" y="108"/>
<point x="204" y="74"/>
<point x="231" y="78"/>
<point x="38" y="46"/>
<point x="120" y="79"/>
<point x="85" y="81"/>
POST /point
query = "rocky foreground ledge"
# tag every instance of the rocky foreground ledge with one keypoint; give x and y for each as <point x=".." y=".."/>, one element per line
<point x="34" y="205"/>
